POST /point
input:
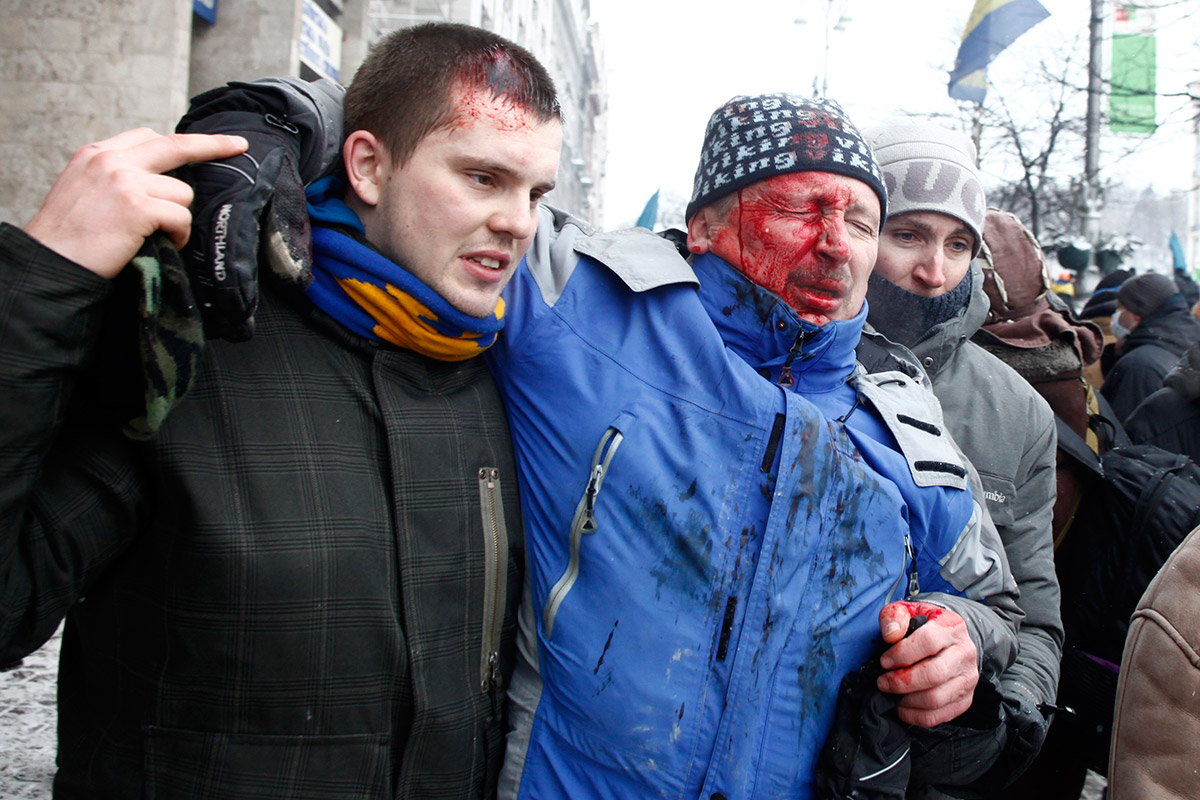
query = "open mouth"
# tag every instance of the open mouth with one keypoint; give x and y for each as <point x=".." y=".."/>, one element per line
<point x="484" y="261"/>
<point x="821" y="298"/>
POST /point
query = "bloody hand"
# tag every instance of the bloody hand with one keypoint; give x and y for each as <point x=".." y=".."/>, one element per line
<point x="935" y="668"/>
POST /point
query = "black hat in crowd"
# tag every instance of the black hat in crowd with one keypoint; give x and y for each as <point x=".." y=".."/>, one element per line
<point x="1145" y="294"/>
<point x="1103" y="302"/>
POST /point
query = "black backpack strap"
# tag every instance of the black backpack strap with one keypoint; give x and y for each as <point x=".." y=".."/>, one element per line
<point x="1073" y="445"/>
<point x="1104" y="422"/>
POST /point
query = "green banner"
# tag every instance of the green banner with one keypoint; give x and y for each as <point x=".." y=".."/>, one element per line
<point x="1133" y="86"/>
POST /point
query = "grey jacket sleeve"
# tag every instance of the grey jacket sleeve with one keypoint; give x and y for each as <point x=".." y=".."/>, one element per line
<point x="979" y="567"/>
<point x="1030" y="550"/>
<point x="976" y="565"/>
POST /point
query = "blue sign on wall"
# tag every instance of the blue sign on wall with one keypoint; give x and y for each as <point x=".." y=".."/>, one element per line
<point x="320" y="42"/>
<point x="206" y="10"/>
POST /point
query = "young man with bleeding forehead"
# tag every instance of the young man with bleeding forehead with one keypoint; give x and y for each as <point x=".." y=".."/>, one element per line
<point x="305" y="584"/>
<point x="722" y="511"/>
<point x="417" y="208"/>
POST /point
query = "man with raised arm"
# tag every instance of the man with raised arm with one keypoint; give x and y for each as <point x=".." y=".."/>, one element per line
<point x="302" y="583"/>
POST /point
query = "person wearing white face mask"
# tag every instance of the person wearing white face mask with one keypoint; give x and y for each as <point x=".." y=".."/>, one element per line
<point x="1154" y="329"/>
<point x="1119" y="330"/>
<point x="1100" y="308"/>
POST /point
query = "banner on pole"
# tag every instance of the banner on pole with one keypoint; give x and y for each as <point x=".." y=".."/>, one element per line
<point x="1133" y="76"/>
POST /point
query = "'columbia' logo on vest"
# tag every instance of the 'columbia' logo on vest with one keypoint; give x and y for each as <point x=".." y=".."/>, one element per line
<point x="997" y="496"/>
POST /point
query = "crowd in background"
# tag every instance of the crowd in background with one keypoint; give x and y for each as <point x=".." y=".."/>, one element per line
<point x="889" y="517"/>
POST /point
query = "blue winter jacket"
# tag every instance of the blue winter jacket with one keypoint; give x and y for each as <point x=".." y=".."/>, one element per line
<point x="708" y="552"/>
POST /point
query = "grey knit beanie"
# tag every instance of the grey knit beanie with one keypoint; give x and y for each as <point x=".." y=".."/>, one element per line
<point x="1144" y="294"/>
<point x="930" y="168"/>
<point x="752" y="138"/>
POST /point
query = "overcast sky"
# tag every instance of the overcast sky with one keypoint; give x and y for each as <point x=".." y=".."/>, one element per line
<point x="669" y="63"/>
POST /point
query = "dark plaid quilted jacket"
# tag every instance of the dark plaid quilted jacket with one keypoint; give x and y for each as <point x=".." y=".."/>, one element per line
<point x="303" y="587"/>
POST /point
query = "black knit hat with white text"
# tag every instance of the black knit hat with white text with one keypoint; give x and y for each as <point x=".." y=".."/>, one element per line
<point x="754" y="137"/>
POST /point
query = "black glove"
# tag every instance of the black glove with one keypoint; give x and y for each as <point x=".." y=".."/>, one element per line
<point x="987" y="748"/>
<point x="254" y="203"/>
<point x="866" y="756"/>
<point x="1027" y="726"/>
<point x="950" y="758"/>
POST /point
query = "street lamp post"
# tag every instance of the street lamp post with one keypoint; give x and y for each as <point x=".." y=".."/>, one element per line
<point x="1091" y="155"/>
<point x="842" y="21"/>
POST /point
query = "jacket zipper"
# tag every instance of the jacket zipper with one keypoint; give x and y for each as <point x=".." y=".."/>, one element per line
<point x="583" y="522"/>
<point x="495" y="584"/>
<point x="785" y="374"/>
<point x="914" y="584"/>
<point x="907" y="563"/>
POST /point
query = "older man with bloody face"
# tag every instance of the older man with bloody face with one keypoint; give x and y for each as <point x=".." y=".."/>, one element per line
<point x="810" y="237"/>
<point x="722" y="513"/>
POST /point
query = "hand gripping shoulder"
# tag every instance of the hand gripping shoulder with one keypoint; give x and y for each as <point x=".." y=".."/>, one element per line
<point x="254" y="203"/>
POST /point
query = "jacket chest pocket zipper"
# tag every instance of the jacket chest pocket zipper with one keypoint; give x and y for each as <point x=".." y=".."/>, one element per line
<point x="583" y="522"/>
<point x="495" y="576"/>
<point x="909" y="564"/>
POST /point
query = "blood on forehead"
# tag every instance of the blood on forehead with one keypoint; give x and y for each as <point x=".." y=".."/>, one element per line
<point x="492" y="86"/>
<point x="473" y="104"/>
<point x="793" y="188"/>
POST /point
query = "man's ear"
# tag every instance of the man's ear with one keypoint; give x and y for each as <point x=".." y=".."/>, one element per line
<point x="700" y="230"/>
<point x="366" y="165"/>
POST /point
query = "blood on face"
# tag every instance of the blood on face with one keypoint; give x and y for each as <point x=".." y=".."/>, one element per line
<point x="809" y="237"/>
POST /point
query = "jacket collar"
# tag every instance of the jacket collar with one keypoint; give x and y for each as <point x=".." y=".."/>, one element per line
<point x="768" y="335"/>
<point x="1185" y="377"/>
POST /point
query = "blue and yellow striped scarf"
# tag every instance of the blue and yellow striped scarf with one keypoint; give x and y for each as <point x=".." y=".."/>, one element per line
<point x="378" y="299"/>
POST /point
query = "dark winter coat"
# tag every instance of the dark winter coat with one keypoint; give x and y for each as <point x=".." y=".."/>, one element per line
<point x="288" y="593"/>
<point x="1147" y="354"/>
<point x="1170" y="418"/>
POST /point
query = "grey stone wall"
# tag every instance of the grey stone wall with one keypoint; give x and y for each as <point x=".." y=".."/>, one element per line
<point x="251" y="39"/>
<point x="75" y="71"/>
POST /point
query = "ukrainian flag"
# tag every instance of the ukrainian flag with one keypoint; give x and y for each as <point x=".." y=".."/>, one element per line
<point x="993" y="26"/>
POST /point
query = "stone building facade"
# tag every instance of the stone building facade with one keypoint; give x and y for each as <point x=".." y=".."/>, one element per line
<point x="76" y="71"/>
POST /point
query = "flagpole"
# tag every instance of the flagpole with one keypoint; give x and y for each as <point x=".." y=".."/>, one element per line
<point x="1091" y="157"/>
<point x="977" y="131"/>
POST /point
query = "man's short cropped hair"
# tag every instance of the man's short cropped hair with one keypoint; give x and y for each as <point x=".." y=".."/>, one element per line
<point x="402" y="91"/>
